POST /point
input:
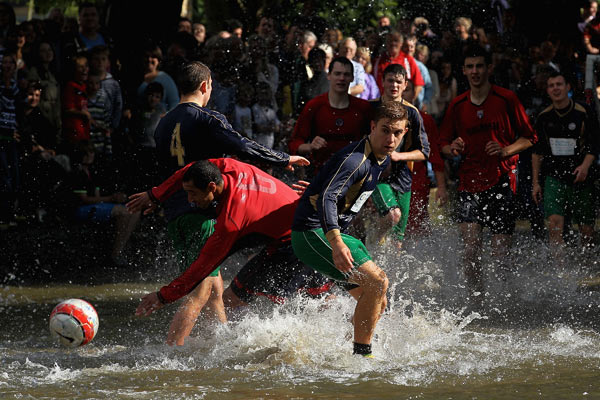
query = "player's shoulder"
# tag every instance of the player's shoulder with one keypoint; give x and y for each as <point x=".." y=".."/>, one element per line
<point x="545" y="111"/>
<point x="505" y="94"/>
<point x="360" y="103"/>
<point x="462" y="98"/>
<point x="580" y="107"/>
<point x="316" y="102"/>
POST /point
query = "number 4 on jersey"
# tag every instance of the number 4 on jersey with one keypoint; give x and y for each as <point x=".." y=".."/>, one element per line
<point x="177" y="149"/>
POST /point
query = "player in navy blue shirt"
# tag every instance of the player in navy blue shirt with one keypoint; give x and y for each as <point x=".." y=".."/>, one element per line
<point x="328" y="206"/>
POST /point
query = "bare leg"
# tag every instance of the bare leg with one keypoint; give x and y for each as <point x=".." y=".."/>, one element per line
<point x="126" y="223"/>
<point x="215" y="306"/>
<point x="231" y="301"/>
<point x="471" y="235"/>
<point x="188" y="312"/>
<point x="371" y="302"/>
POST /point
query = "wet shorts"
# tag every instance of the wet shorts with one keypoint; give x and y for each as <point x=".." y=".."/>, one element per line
<point x="563" y="199"/>
<point x="493" y="208"/>
<point x="313" y="249"/>
<point x="189" y="233"/>
<point x="276" y="273"/>
<point x="385" y="197"/>
<point x="100" y="212"/>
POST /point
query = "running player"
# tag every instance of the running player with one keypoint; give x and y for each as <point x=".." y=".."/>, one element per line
<point x="567" y="146"/>
<point x="392" y="195"/>
<point x="249" y="202"/>
<point x="328" y="206"/>
<point x="191" y="132"/>
<point x="332" y="120"/>
<point x="487" y="126"/>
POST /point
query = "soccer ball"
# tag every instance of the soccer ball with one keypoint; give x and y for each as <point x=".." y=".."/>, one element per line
<point x="74" y="322"/>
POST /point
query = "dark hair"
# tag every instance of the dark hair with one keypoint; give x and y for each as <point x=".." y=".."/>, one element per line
<point x="477" y="51"/>
<point x="393" y="110"/>
<point x="99" y="50"/>
<point x="191" y="76"/>
<point x="395" y="69"/>
<point x="556" y="74"/>
<point x="86" y="4"/>
<point x="233" y="24"/>
<point x="201" y="173"/>
<point x="154" y="87"/>
<point x="153" y="51"/>
<point x="341" y="60"/>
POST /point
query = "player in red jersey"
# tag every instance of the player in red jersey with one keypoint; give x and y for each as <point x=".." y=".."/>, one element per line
<point x="487" y="127"/>
<point x="331" y="121"/>
<point x="249" y="202"/>
<point x="418" y="218"/>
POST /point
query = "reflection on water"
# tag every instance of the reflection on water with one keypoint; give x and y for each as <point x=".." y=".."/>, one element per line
<point x="536" y="336"/>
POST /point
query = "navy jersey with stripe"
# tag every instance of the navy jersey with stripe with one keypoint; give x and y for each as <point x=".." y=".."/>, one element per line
<point x="400" y="177"/>
<point x="191" y="133"/>
<point x="340" y="189"/>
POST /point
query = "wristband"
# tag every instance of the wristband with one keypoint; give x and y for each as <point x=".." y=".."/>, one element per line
<point x="160" y="298"/>
<point x="153" y="198"/>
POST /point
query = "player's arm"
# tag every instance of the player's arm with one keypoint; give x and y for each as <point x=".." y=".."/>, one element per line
<point x="234" y="143"/>
<point x="494" y="148"/>
<point x="149" y="200"/>
<point x="299" y="142"/>
<point x="327" y="209"/>
<point x="536" y="188"/>
<point x="212" y="254"/>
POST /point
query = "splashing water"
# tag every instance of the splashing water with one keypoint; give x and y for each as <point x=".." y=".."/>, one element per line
<point x="535" y="336"/>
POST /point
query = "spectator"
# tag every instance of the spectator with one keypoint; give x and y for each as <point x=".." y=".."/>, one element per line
<point x="235" y="27"/>
<point x="76" y="117"/>
<point x="371" y="92"/>
<point x="319" y="83"/>
<point x="9" y="156"/>
<point x="409" y="47"/>
<point x="328" y="54"/>
<point x="184" y="25"/>
<point x="98" y="105"/>
<point x="44" y="71"/>
<point x="242" y="114"/>
<point x="100" y="65"/>
<point x="448" y="87"/>
<point x="332" y="37"/>
<point x="152" y="58"/>
<point x="92" y="205"/>
<point x="199" y="32"/>
<point x="347" y="48"/>
<point x="588" y="13"/>
<point x="263" y="70"/>
<point x="145" y="118"/>
<point x="433" y="93"/>
<point x="266" y="123"/>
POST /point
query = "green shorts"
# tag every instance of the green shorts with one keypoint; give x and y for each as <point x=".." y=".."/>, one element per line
<point x="314" y="250"/>
<point x="385" y="197"/>
<point x="563" y="199"/>
<point x="189" y="233"/>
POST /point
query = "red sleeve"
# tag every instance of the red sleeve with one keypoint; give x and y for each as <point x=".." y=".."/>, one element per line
<point x="172" y="185"/>
<point x="415" y="72"/>
<point x="69" y="99"/>
<point x="302" y="129"/>
<point x="434" y="147"/>
<point x="215" y="250"/>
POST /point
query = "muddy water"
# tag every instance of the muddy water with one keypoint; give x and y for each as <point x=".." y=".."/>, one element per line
<point x="536" y="336"/>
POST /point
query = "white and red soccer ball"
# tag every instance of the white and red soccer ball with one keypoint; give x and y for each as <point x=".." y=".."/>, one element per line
<point x="74" y="322"/>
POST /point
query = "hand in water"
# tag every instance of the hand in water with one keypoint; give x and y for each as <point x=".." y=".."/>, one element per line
<point x="149" y="304"/>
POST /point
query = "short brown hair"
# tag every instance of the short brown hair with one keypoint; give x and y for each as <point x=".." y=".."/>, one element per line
<point x="393" y="110"/>
<point x="191" y="76"/>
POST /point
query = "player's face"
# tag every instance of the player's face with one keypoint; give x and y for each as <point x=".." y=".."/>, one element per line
<point x="340" y="78"/>
<point x="393" y="86"/>
<point x="201" y="198"/>
<point x="476" y="71"/>
<point x="386" y="135"/>
<point x="558" y="89"/>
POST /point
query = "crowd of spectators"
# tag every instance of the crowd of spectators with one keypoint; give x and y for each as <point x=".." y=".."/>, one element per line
<point x="63" y="99"/>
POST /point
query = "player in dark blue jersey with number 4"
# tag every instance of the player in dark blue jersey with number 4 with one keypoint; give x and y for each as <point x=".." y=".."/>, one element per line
<point x="191" y="132"/>
<point x="328" y="206"/>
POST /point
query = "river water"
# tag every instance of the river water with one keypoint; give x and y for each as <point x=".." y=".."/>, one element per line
<point x="537" y="335"/>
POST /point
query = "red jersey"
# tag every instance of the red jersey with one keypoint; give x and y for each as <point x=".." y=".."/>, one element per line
<point x="338" y="127"/>
<point x="419" y="172"/>
<point x="500" y="118"/>
<point x="413" y="73"/>
<point x="252" y="201"/>
<point x="75" y="128"/>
